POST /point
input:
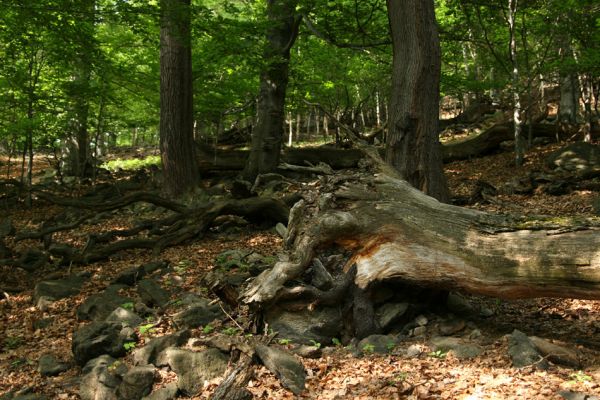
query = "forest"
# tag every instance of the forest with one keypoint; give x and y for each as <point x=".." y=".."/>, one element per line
<point x="277" y="199"/>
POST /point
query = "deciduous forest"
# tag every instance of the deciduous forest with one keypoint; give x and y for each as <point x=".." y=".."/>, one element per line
<point x="277" y="199"/>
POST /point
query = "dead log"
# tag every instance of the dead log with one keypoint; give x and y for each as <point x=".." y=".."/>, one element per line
<point x="402" y="235"/>
<point x="489" y="140"/>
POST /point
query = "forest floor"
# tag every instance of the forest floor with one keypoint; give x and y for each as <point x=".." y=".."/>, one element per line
<point x="338" y="373"/>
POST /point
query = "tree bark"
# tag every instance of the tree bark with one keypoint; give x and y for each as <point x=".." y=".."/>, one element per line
<point x="268" y="133"/>
<point x="412" y="144"/>
<point x="180" y="171"/>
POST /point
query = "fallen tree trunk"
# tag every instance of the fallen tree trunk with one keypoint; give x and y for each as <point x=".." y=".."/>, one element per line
<point x="394" y="233"/>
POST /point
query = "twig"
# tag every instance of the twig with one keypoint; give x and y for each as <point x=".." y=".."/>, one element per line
<point x="230" y="317"/>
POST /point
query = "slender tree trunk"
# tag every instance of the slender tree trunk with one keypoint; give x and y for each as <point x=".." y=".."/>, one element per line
<point x="518" y="123"/>
<point x="291" y="130"/>
<point x="177" y="148"/>
<point x="412" y="145"/>
<point x="377" y="110"/>
<point x="268" y="134"/>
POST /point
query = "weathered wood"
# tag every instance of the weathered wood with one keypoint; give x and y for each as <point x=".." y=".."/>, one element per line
<point x="407" y="236"/>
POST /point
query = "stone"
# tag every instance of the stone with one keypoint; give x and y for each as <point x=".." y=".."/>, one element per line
<point x="136" y="383"/>
<point x="125" y="317"/>
<point x="168" y="392"/>
<point x="523" y="352"/>
<point x="305" y="326"/>
<point x="285" y="366"/>
<point x="43" y="323"/>
<point x="101" y="378"/>
<point x="152" y="352"/>
<point x="390" y="313"/>
<point x="49" y="365"/>
<point x="100" y="306"/>
<point x="57" y="289"/>
<point x="32" y="260"/>
<point x="459" y="347"/>
<point x="450" y="327"/>
<point x="414" y="350"/>
<point x="98" y="338"/>
<point x="459" y="305"/>
<point x="129" y="276"/>
<point x="152" y="293"/>
<point x="579" y="157"/>
<point x="571" y="395"/>
<point x="421" y="320"/>
<point x="380" y="344"/>
<point x="321" y="278"/>
<point x="305" y="351"/>
<point x="193" y="368"/>
<point x="199" y="313"/>
<point x="555" y="353"/>
<point x="418" y="331"/>
<point x="281" y="230"/>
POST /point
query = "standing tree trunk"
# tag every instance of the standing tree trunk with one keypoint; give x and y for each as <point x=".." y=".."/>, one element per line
<point x="412" y="145"/>
<point x="267" y="136"/>
<point x="518" y="123"/>
<point x="180" y="171"/>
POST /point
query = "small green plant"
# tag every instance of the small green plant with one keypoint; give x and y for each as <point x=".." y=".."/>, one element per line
<point x="390" y="346"/>
<point x="284" y="342"/>
<point x="399" y="378"/>
<point x="128" y="346"/>
<point x="579" y="377"/>
<point x="182" y="266"/>
<point x="336" y="342"/>
<point x="112" y="367"/>
<point x="315" y="343"/>
<point x="12" y="342"/>
<point x="230" y="331"/>
<point x="131" y="164"/>
<point x="207" y="329"/>
<point x="368" y="348"/>
<point x="127" y="306"/>
<point x="438" y="354"/>
<point x="146" y="329"/>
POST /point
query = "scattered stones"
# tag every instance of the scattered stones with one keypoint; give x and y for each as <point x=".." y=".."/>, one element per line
<point x="99" y="306"/>
<point x="152" y="293"/>
<point x="307" y="351"/>
<point x="152" y="352"/>
<point x="57" y="289"/>
<point x="49" y="365"/>
<point x="523" y="352"/>
<point x="168" y="392"/>
<point x="459" y="347"/>
<point x="450" y="327"/>
<point x="557" y="354"/>
<point x="125" y="317"/>
<point x="193" y="368"/>
<point x="101" y="378"/>
<point x="319" y="325"/>
<point x="390" y="313"/>
<point x="380" y="344"/>
<point x="136" y="383"/>
<point x="571" y="395"/>
<point x="98" y="338"/>
<point x="580" y="157"/>
<point x="285" y="366"/>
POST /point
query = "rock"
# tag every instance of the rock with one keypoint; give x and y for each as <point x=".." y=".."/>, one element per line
<point x="169" y="392"/>
<point x="320" y="324"/>
<point x="523" y="352"/>
<point x="421" y="320"/>
<point x="131" y="276"/>
<point x="193" y="368"/>
<point x="305" y="351"/>
<point x="321" y="278"/>
<point x="152" y="352"/>
<point x="418" y="331"/>
<point x="57" y="289"/>
<point x="459" y="305"/>
<point x="101" y="377"/>
<point x="555" y="353"/>
<point x="571" y="395"/>
<point x="98" y="338"/>
<point x="459" y="347"/>
<point x="448" y="328"/>
<point x="199" y="313"/>
<point x="380" y="344"/>
<point x="579" y="157"/>
<point x="153" y="266"/>
<point x="43" y="323"/>
<point x="414" y="350"/>
<point x="390" y="313"/>
<point x="49" y="365"/>
<point x="100" y="306"/>
<point x="136" y="383"/>
<point x="486" y="312"/>
<point x="281" y="230"/>
<point x="124" y="317"/>
<point x="285" y="366"/>
<point x="152" y="293"/>
<point x="32" y="259"/>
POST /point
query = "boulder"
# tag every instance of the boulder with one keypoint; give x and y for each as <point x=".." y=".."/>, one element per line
<point x="580" y="157"/>
<point x="152" y="293"/>
<point x="523" y="352"/>
<point x="390" y="313"/>
<point x="101" y="378"/>
<point x="152" y="352"/>
<point x="125" y="317"/>
<point x="99" y="306"/>
<point x="380" y="344"/>
<point x="284" y="365"/>
<point x="199" y="313"/>
<point x="168" y="392"/>
<point x="193" y="368"/>
<point x="53" y="290"/>
<point x="136" y="383"/>
<point x="305" y="326"/>
<point x="461" y="348"/>
<point x="556" y="353"/>
<point x="49" y="365"/>
<point x="98" y="338"/>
